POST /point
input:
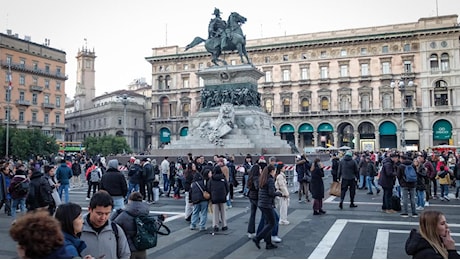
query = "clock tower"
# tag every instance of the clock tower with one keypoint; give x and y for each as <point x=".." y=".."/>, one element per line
<point x="85" y="89"/>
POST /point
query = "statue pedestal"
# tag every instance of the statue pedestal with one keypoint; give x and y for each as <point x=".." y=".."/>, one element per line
<point x="230" y="120"/>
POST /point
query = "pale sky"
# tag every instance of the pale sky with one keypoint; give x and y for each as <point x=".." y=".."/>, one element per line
<point x="123" y="32"/>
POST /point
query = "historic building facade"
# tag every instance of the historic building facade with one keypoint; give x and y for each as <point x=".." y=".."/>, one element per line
<point x="350" y="87"/>
<point x="36" y="98"/>
<point x="119" y="113"/>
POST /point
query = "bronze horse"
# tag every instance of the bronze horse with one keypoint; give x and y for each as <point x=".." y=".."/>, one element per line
<point x="235" y="40"/>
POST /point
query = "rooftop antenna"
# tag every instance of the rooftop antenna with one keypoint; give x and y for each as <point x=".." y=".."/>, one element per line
<point x="86" y="43"/>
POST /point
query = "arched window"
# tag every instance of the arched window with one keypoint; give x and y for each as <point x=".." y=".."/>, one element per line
<point x="441" y="97"/>
<point x="164" y="109"/>
<point x="434" y="63"/>
<point x="444" y="62"/>
<point x="186" y="110"/>
<point x="286" y="105"/>
<point x="365" y="102"/>
<point x="167" y="81"/>
<point x="386" y="101"/>
<point x="161" y="82"/>
<point x="268" y="106"/>
<point x="344" y="103"/>
<point x="305" y="105"/>
<point x="324" y="104"/>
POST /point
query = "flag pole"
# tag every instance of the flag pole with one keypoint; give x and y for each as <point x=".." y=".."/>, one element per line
<point x="9" y="111"/>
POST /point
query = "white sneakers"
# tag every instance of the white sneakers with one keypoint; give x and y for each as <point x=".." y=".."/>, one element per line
<point x="283" y="222"/>
<point x="276" y="239"/>
<point x="419" y="208"/>
<point x="251" y="235"/>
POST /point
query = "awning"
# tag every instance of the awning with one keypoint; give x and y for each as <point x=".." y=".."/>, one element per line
<point x="165" y="135"/>
<point x="442" y="130"/>
<point x="325" y="127"/>
<point x="184" y="131"/>
<point x="286" y="129"/>
<point x="305" y="128"/>
<point x="387" y="128"/>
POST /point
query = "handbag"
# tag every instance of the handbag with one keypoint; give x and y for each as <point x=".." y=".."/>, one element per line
<point x="206" y="194"/>
<point x="336" y="189"/>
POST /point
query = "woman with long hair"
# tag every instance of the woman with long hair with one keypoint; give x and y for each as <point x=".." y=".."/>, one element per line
<point x="317" y="187"/>
<point x="281" y="186"/>
<point x="253" y="195"/>
<point x="433" y="240"/>
<point x="71" y="219"/>
<point x="267" y="194"/>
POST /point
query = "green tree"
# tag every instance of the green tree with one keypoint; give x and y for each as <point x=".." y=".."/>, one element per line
<point x="26" y="142"/>
<point x="106" y="145"/>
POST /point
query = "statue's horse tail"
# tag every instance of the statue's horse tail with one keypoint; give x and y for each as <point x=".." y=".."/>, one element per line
<point x="194" y="43"/>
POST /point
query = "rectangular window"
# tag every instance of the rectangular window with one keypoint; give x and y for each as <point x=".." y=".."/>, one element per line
<point x="185" y="83"/>
<point x="406" y="47"/>
<point x="8" y="95"/>
<point x="9" y="60"/>
<point x="135" y="121"/>
<point x="46" y="99"/>
<point x="386" y="68"/>
<point x="364" y="69"/>
<point x="267" y="59"/>
<point x="47" y="68"/>
<point x="58" y="102"/>
<point x="385" y="49"/>
<point x="304" y="56"/>
<point x="47" y="83"/>
<point x="343" y="53"/>
<point x="285" y="57"/>
<point x="58" y="86"/>
<point x="304" y="74"/>
<point x="34" y="116"/>
<point x="185" y="66"/>
<point x="323" y="54"/>
<point x="120" y="121"/>
<point x="268" y="76"/>
<point x="47" y="118"/>
<point x="200" y="66"/>
<point x="58" y="71"/>
<point x="323" y="74"/>
<point x="21" y="116"/>
<point x="407" y="66"/>
<point x="35" y="66"/>
<point x="21" y="95"/>
<point x="286" y="75"/>
<point x="35" y="81"/>
<point x="22" y="80"/>
<point x="22" y="63"/>
<point x="58" y="119"/>
<point x="34" y="98"/>
<point x="343" y="70"/>
<point x="363" y="51"/>
<point x="201" y="82"/>
<point x="233" y="62"/>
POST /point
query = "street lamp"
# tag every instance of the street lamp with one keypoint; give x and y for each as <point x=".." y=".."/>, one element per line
<point x="124" y="101"/>
<point x="405" y="81"/>
<point x="8" y="121"/>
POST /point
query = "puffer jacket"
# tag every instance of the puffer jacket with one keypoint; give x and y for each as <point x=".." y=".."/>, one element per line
<point x="387" y="174"/>
<point x="125" y="219"/>
<point x="267" y="194"/>
<point x="114" y="183"/>
<point x="419" y="248"/>
<point x="254" y="188"/>
<point x="196" y="193"/>
<point x="348" y="168"/>
<point x="218" y="187"/>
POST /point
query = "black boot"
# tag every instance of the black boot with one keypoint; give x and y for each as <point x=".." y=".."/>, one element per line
<point x="353" y="205"/>
<point x="341" y="205"/>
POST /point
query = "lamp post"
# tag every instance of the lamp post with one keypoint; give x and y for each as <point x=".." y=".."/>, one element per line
<point x="405" y="81"/>
<point x="124" y="101"/>
<point x="8" y="121"/>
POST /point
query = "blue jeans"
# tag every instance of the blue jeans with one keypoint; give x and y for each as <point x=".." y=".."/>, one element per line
<point x="408" y="193"/>
<point x="165" y="182"/>
<point x="370" y="183"/>
<point x="420" y="198"/>
<point x="245" y="188"/>
<point x="361" y="181"/>
<point x="268" y="226"/>
<point x="444" y="189"/>
<point x="262" y="223"/>
<point x="22" y="206"/>
<point x="65" y="188"/>
<point x="200" y="212"/>
<point x="386" y="199"/>
<point x="118" y="202"/>
<point x="132" y="187"/>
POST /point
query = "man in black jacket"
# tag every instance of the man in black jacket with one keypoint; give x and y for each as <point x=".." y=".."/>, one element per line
<point x="114" y="183"/>
<point x="349" y="174"/>
<point x="39" y="195"/>
<point x="149" y="177"/>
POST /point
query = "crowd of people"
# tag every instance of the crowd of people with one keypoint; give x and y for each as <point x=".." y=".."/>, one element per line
<point x="208" y="187"/>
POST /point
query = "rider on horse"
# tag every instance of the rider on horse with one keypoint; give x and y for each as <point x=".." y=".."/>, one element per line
<point x="216" y="29"/>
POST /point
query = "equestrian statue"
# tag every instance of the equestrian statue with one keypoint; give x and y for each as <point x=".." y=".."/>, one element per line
<point x="224" y="36"/>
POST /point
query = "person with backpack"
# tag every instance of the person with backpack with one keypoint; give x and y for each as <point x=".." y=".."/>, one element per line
<point x="420" y="185"/>
<point x="134" y="177"/>
<point x="407" y="177"/>
<point x="39" y="195"/>
<point x="104" y="238"/>
<point x="93" y="177"/>
<point x="19" y="187"/>
<point x="443" y="176"/>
